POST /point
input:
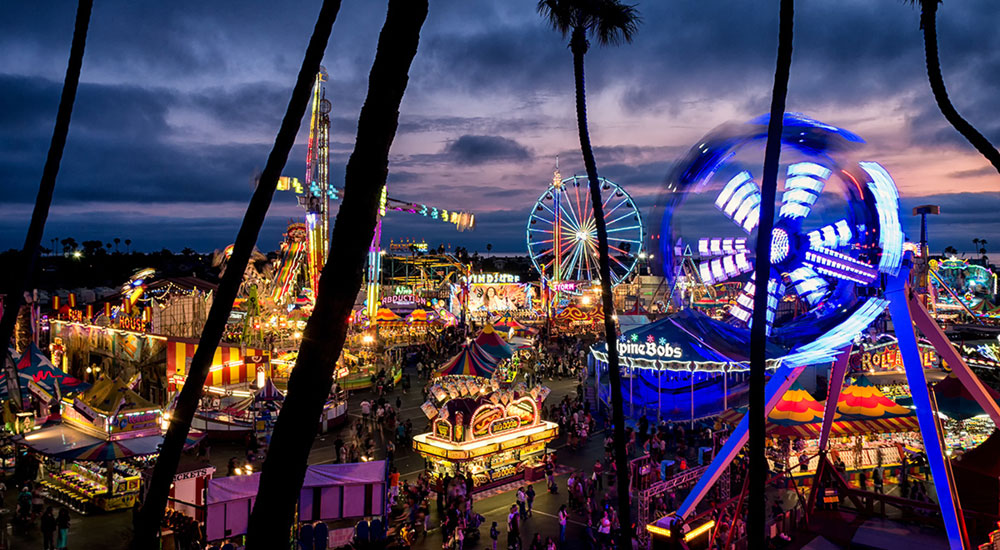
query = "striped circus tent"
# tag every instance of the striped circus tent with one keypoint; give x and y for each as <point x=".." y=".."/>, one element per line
<point x="493" y="343"/>
<point x="471" y="361"/>
<point x="384" y="315"/>
<point x="796" y="407"/>
<point x="419" y="316"/>
<point x="228" y="367"/>
<point x="862" y="400"/>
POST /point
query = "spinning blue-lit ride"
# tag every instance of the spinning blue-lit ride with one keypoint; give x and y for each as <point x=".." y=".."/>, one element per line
<point x="836" y="231"/>
<point x="562" y="232"/>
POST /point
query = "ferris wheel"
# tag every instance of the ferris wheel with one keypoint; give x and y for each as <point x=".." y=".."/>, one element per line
<point x="562" y="232"/>
<point x="836" y="230"/>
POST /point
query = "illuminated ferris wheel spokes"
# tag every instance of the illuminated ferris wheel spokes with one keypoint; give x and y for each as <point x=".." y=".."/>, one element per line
<point x="808" y="264"/>
<point x="562" y="231"/>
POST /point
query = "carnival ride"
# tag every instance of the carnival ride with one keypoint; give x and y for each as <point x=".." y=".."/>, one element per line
<point x="562" y="233"/>
<point x="958" y="285"/>
<point x="834" y="266"/>
<point x="315" y="196"/>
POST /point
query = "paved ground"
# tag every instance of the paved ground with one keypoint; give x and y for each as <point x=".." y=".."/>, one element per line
<point x="111" y="531"/>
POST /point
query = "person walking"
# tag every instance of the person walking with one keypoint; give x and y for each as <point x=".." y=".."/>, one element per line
<point x="563" y="515"/>
<point x="62" y="529"/>
<point x="877" y="479"/>
<point x="598" y="476"/>
<point x="494" y="535"/>
<point x="48" y="528"/>
<point x="513" y="529"/>
<point x="530" y="498"/>
<point x="522" y="499"/>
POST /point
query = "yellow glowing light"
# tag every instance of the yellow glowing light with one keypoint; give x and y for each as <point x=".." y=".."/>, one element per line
<point x="581" y="236"/>
<point x="657" y="530"/>
<point x="699" y="530"/>
<point x="238" y="471"/>
<point x="368" y="339"/>
<point x="585" y="300"/>
<point x="297" y="335"/>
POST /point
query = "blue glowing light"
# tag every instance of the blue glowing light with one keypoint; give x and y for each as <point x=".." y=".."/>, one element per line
<point x="890" y="237"/>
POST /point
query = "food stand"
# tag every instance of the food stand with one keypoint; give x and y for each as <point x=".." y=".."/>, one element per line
<point x="93" y="459"/>
<point x="481" y="430"/>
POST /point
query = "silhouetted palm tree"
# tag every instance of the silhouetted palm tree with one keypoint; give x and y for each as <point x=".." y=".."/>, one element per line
<point x="117" y="242"/>
<point x="128" y="246"/>
<point x="609" y="22"/>
<point x="323" y="338"/>
<point x="928" y="24"/>
<point x="187" y="402"/>
<point x="950" y="251"/>
<point x="33" y="240"/>
<point x="757" y="502"/>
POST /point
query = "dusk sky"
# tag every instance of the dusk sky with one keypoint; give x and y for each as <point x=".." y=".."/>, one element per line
<point x="180" y="101"/>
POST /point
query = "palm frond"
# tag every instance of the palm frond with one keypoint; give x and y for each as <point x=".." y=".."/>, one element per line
<point x="558" y="13"/>
<point x="615" y="23"/>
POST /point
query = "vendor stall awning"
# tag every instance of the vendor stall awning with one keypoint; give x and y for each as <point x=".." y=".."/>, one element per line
<point x="269" y="392"/>
<point x="687" y="340"/>
<point x="62" y="442"/>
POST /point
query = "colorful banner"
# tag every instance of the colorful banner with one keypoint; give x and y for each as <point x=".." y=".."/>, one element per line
<point x="498" y="297"/>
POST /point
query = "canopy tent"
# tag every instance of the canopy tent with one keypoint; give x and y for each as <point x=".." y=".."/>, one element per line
<point x="571" y="314"/>
<point x="473" y="360"/>
<point x="862" y="400"/>
<point x="329" y="492"/>
<point x="62" y="442"/>
<point x="508" y="322"/>
<point x="954" y="400"/>
<point x="419" y="316"/>
<point x="33" y="365"/>
<point x="110" y="395"/>
<point x="493" y="343"/>
<point x="385" y="315"/>
<point x="268" y="392"/>
<point x="687" y="340"/>
<point x="596" y="315"/>
<point x="796" y="407"/>
<point x="862" y="412"/>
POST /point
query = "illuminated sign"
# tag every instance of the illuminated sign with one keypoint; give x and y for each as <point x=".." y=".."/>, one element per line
<point x="493" y="278"/>
<point x="74" y="315"/>
<point x="651" y="349"/>
<point x="403" y="299"/>
<point x="505" y="425"/>
<point x="442" y="429"/>
<point x="889" y="358"/>
<point x="135" y="324"/>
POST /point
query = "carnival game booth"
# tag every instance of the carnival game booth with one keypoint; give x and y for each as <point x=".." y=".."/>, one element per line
<point x="94" y="458"/>
<point x="494" y="435"/>
<point x="330" y="492"/>
<point x="683" y="367"/>
<point x="888" y="431"/>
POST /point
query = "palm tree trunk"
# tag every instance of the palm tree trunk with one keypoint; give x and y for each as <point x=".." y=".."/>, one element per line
<point x="578" y="45"/>
<point x="325" y="333"/>
<point x="928" y="22"/>
<point x="187" y="402"/>
<point x="33" y="240"/>
<point x="757" y="502"/>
